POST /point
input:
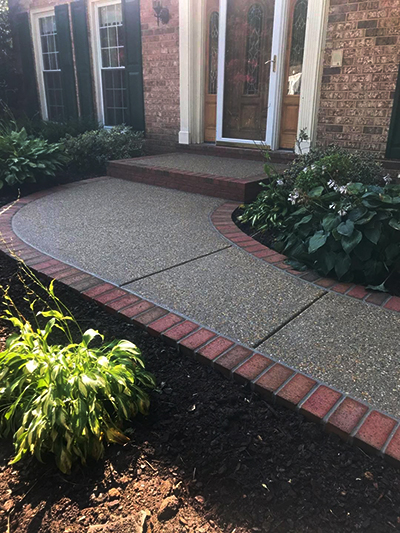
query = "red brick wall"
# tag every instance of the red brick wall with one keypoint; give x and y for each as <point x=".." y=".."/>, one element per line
<point x="160" y="45"/>
<point x="356" y="99"/>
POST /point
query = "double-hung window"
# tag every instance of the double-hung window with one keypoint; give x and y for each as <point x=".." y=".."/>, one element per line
<point x="50" y="75"/>
<point x="112" y="64"/>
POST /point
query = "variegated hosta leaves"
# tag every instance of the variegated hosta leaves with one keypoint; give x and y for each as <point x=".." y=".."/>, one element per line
<point x="68" y="400"/>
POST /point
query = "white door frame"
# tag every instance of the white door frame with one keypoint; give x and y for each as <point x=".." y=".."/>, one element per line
<point x="276" y="74"/>
<point x="191" y="64"/>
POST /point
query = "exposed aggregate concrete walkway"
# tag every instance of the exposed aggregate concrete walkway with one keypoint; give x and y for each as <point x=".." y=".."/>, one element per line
<point x="160" y="244"/>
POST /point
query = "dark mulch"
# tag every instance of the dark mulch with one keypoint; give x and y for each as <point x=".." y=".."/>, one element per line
<point x="234" y="463"/>
<point x="267" y="238"/>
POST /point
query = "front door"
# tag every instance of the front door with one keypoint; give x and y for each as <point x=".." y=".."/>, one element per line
<point x="293" y="73"/>
<point x="248" y="41"/>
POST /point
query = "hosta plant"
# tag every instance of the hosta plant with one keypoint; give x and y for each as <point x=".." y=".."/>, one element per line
<point x="68" y="399"/>
<point x="24" y="159"/>
<point x="351" y="232"/>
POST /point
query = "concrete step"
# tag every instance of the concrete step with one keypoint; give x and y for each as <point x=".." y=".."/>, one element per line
<point x="206" y="175"/>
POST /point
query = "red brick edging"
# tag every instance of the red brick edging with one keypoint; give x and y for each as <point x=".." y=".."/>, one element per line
<point x="351" y="419"/>
<point x="222" y="220"/>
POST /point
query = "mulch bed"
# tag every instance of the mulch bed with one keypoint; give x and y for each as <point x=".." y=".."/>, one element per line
<point x="267" y="238"/>
<point x="212" y="455"/>
<point x="218" y="457"/>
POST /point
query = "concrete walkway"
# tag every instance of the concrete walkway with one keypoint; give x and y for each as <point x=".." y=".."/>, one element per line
<point x="160" y="244"/>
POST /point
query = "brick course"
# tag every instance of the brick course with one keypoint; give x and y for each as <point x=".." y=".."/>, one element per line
<point x="356" y="99"/>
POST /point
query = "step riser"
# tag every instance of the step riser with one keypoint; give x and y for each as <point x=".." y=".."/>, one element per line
<point x="227" y="188"/>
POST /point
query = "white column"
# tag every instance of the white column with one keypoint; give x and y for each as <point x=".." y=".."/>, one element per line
<point x="317" y="16"/>
<point x="191" y="70"/>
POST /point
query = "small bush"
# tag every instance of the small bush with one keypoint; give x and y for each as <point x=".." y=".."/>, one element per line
<point x="27" y="160"/>
<point x="67" y="399"/>
<point x="334" y="212"/>
<point x="53" y="132"/>
<point x="90" y="152"/>
<point x="334" y="163"/>
<point x="350" y="232"/>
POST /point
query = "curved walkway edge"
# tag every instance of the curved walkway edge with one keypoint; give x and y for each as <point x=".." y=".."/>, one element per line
<point x="222" y="220"/>
<point x="349" y="418"/>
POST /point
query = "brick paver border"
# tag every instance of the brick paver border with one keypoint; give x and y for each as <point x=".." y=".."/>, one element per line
<point x="223" y="222"/>
<point x="352" y="420"/>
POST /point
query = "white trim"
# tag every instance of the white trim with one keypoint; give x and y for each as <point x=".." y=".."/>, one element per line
<point x="317" y="16"/>
<point x="96" y="51"/>
<point x="191" y="70"/>
<point x="275" y="81"/>
<point x="35" y="15"/>
<point x="275" y="95"/>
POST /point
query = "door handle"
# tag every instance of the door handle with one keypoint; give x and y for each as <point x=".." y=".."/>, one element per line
<point x="273" y="61"/>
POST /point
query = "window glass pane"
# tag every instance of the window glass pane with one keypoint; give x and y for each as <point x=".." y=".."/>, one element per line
<point x="112" y="59"/>
<point x="51" y="74"/>
<point x="254" y="36"/>
<point x="297" y="47"/>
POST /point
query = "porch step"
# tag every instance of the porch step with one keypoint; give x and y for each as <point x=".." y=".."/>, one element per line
<point x="254" y="154"/>
<point x="220" y="177"/>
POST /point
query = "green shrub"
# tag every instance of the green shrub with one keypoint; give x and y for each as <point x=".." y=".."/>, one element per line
<point x="27" y="160"/>
<point x="334" y="212"/>
<point x="351" y="232"/>
<point x="90" y="152"/>
<point x="323" y="164"/>
<point x="53" y="132"/>
<point x="67" y="399"/>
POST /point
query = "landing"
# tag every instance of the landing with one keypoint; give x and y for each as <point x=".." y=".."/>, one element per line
<point x="208" y="164"/>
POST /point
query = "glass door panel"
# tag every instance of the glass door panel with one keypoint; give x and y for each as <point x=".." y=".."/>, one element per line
<point x="249" y="28"/>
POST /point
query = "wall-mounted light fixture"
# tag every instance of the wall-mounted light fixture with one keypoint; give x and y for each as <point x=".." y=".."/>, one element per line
<point x="161" y="13"/>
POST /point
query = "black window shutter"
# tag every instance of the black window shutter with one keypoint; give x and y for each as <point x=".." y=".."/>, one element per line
<point x="66" y="60"/>
<point x="22" y="28"/>
<point x="133" y="63"/>
<point x="82" y="57"/>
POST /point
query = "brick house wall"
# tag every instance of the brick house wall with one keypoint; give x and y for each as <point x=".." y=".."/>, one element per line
<point x="160" y="54"/>
<point x="160" y="48"/>
<point x="356" y="99"/>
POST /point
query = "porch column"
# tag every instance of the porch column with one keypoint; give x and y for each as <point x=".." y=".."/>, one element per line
<point x="191" y="70"/>
<point x="317" y="17"/>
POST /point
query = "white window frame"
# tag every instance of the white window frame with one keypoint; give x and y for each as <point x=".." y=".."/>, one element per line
<point x="96" y="52"/>
<point x="35" y="15"/>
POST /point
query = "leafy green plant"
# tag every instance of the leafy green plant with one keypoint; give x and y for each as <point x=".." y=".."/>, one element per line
<point x="323" y="164"/>
<point x="68" y="399"/>
<point x="351" y="232"/>
<point x="271" y="207"/>
<point x="27" y="160"/>
<point x="90" y="152"/>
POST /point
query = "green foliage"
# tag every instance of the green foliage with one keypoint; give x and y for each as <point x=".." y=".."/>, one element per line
<point x="53" y="132"/>
<point x="90" y="152"/>
<point x="270" y="209"/>
<point x="320" y="165"/>
<point x="352" y="233"/>
<point x="26" y="160"/>
<point x="68" y="399"/>
<point x="334" y="212"/>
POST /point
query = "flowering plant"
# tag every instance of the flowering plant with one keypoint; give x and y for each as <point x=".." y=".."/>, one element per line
<point x="350" y="231"/>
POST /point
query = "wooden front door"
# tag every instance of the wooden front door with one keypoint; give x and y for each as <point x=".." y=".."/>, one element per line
<point x="293" y="73"/>
<point x="211" y="77"/>
<point x="249" y="26"/>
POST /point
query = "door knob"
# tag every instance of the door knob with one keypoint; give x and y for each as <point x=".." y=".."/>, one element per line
<point x="273" y="61"/>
